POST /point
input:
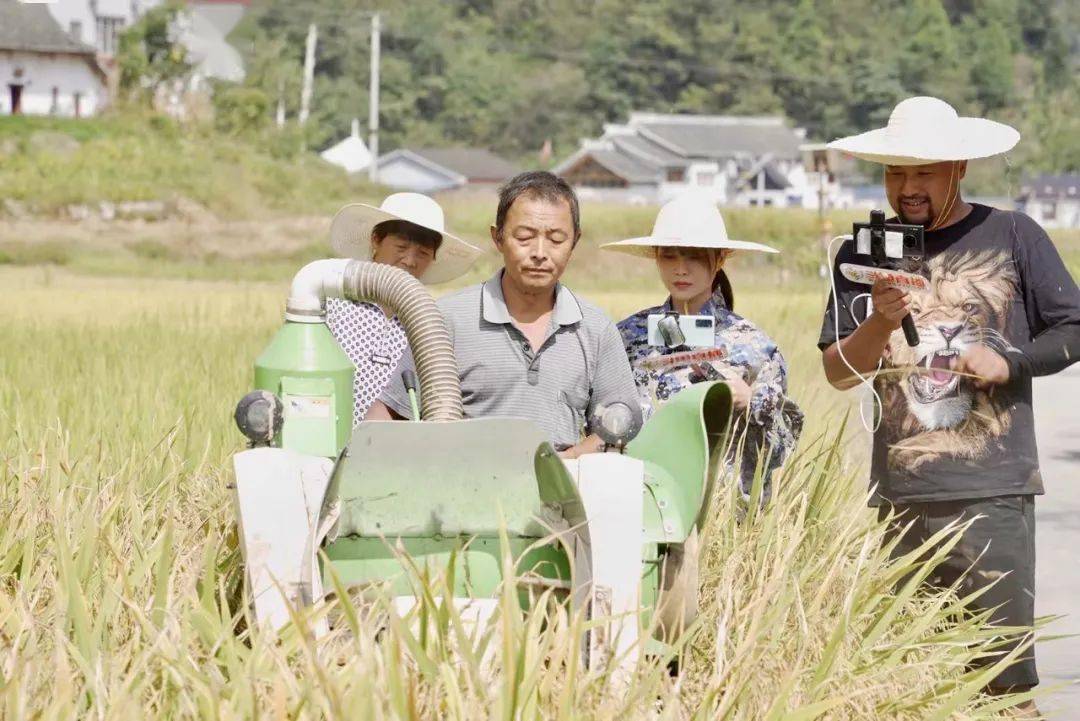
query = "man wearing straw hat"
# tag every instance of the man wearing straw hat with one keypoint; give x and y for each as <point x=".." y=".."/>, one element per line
<point x="525" y="345"/>
<point x="956" y="436"/>
<point x="406" y="231"/>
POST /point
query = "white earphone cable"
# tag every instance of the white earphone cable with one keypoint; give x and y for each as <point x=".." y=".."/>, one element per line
<point x="872" y="427"/>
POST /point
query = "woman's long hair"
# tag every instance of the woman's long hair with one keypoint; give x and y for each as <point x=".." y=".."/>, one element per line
<point x="720" y="280"/>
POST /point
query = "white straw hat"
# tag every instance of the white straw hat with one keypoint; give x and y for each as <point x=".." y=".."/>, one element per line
<point x="924" y="130"/>
<point x="689" y="221"/>
<point x="350" y="233"/>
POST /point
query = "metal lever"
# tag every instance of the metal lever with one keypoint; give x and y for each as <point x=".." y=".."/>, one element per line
<point x="411" y="384"/>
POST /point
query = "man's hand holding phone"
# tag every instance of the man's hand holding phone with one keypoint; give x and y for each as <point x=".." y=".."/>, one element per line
<point x="891" y="305"/>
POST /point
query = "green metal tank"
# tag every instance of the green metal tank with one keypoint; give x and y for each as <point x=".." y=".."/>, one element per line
<point x="306" y="368"/>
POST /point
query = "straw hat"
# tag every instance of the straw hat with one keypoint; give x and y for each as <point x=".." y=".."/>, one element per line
<point x="350" y="233"/>
<point x="925" y="130"/>
<point x="689" y="221"/>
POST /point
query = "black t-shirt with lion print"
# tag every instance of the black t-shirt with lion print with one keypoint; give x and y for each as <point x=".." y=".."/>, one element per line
<point x="994" y="278"/>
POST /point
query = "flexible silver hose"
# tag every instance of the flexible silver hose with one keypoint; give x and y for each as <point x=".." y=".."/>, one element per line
<point x="429" y="340"/>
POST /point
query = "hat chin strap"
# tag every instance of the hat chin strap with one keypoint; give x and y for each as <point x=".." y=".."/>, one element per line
<point x="954" y="193"/>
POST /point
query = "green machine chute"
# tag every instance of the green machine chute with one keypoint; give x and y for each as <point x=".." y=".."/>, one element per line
<point x="678" y="445"/>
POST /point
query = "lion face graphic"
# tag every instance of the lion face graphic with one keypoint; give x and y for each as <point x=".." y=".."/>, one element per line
<point x="933" y="412"/>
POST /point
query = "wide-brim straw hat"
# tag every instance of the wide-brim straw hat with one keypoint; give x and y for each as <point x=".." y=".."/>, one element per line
<point x="350" y="233"/>
<point x="924" y="130"/>
<point x="688" y="221"/>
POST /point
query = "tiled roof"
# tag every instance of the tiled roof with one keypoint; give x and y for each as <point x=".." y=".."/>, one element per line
<point x="30" y="27"/>
<point x="476" y="164"/>
<point x="721" y="136"/>
<point x="1051" y="187"/>
<point x="646" y="150"/>
<point x="628" y="167"/>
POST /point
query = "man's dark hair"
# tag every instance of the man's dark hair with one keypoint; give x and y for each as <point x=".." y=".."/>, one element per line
<point x="409" y="231"/>
<point x="538" y="184"/>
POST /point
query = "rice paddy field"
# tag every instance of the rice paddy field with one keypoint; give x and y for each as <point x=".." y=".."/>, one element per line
<point x="122" y="355"/>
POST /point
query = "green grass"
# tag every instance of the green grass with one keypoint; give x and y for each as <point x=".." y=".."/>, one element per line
<point x="120" y="577"/>
<point x="126" y="156"/>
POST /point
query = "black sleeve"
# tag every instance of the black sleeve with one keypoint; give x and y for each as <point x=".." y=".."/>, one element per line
<point x="831" y="330"/>
<point x="1052" y="304"/>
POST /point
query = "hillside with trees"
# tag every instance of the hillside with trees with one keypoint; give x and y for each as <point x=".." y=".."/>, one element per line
<point x="511" y="74"/>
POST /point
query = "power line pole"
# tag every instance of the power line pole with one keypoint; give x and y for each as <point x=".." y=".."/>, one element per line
<point x="280" y="116"/>
<point x="373" y="101"/>
<point x="309" y="74"/>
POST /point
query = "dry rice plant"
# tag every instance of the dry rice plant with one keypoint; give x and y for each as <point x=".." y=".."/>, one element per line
<point x="120" y="579"/>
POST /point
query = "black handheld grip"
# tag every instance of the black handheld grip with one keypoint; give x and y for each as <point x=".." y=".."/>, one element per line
<point x="910" y="331"/>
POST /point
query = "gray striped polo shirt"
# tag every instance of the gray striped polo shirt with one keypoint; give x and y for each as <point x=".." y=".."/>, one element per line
<point x="581" y="365"/>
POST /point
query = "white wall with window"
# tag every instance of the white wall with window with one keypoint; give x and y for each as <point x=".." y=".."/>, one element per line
<point x="98" y="23"/>
<point x="1063" y="212"/>
<point x="701" y="177"/>
<point x="50" y="84"/>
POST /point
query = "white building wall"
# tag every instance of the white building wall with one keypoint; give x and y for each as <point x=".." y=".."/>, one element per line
<point x="40" y="73"/>
<point x="704" y="178"/>
<point x="762" y="198"/>
<point x="1054" y="213"/>
<point x="634" y="194"/>
<point x="405" y="174"/>
<point x="79" y="11"/>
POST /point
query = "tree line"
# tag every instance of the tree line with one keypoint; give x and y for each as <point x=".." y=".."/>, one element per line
<point x="512" y="74"/>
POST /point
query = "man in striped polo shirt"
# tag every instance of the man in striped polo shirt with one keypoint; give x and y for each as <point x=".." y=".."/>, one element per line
<point x="526" y="346"/>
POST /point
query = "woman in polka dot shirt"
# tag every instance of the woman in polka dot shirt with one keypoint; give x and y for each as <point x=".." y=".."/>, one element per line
<point x="407" y="231"/>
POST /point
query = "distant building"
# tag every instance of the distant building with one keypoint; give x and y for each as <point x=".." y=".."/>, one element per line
<point x="653" y="157"/>
<point x="430" y="170"/>
<point x="98" y="23"/>
<point x="202" y="30"/>
<point x="43" y="70"/>
<point x="350" y="154"/>
<point x="1053" y="201"/>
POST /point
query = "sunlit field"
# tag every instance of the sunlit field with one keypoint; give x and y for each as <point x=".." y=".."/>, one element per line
<point x="120" y="579"/>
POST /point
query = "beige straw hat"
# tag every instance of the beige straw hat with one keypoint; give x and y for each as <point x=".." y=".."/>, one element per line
<point x="350" y="233"/>
<point x="924" y="130"/>
<point x="689" y="221"/>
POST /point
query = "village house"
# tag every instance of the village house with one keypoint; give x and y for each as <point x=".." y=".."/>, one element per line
<point x="59" y="57"/>
<point x="43" y="70"/>
<point x="1053" y="201"/>
<point x="740" y="161"/>
<point x="431" y="170"/>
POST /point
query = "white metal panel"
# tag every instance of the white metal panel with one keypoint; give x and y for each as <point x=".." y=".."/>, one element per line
<point x="279" y="495"/>
<point x="609" y="551"/>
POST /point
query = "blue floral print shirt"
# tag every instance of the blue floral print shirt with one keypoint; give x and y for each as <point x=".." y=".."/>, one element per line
<point x="772" y="422"/>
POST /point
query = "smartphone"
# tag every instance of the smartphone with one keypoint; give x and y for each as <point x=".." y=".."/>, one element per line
<point x="693" y="331"/>
<point x="889" y="244"/>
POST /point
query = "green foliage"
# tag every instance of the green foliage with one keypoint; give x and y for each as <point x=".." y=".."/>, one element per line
<point x="39" y="253"/>
<point x="510" y="75"/>
<point x="240" y="110"/>
<point x="130" y="155"/>
<point x="150" y="54"/>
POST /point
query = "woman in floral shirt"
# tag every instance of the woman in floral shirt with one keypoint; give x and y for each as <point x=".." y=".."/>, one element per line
<point x="406" y="231"/>
<point x="689" y="244"/>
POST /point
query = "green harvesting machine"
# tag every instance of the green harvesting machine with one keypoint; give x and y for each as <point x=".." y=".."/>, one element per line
<point x="614" y="533"/>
